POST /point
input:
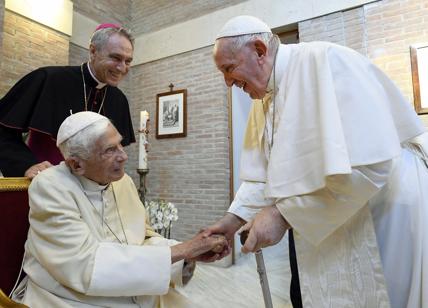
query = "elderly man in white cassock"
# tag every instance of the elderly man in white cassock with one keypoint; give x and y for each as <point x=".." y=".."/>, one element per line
<point x="329" y="152"/>
<point x="89" y="244"/>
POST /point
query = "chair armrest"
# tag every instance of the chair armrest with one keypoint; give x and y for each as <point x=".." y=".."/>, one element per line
<point x="14" y="184"/>
<point x="6" y="302"/>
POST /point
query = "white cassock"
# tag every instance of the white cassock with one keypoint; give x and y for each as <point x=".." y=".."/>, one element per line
<point x="74" y="258"/>
<point x="343" y="171"/>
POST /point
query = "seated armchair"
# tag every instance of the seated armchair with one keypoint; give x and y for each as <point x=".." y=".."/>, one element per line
<point x="14" y="221"/>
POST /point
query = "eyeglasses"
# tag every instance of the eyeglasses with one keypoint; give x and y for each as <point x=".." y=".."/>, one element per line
<point x="113" y="151"/>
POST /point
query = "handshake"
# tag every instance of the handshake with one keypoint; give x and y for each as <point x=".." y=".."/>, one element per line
<point x="213" y="243"/>
<point x="202" y="247"/>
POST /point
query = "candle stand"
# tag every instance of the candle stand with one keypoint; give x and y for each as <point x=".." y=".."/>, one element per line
<point x="143" y="189"/>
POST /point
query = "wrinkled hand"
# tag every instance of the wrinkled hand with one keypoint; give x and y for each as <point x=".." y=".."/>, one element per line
<point x="197" y="248"/>
<point x="228" y="225"/>
<point x="267" y="229"/>
<point x="215" y="254"/>
<point x="36" y="169"/>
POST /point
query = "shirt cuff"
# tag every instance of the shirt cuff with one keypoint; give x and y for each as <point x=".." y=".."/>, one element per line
<point x="249" y="199"/>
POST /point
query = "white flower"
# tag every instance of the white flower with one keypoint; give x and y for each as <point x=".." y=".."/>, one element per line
<point x="161" y="215"/>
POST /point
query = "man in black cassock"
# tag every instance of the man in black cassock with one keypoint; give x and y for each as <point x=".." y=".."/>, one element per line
<point x="41" y="100"/>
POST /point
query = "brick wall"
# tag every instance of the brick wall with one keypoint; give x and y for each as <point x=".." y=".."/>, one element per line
<point x="392" y="26"/>
<point x="77" y="54"/>
<point x="28" y="45"/>
<point x="192" y="172"/>
<point x="153" y="15"/>
<point x="383" y="31"/>
<point x="103" y="11"/>
<point x="344" y="28"/>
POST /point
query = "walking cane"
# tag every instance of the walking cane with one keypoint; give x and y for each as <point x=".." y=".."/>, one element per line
<point x="261" y="269"/>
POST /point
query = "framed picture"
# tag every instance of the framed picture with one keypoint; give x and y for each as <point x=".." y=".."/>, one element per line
<point x="419" y="63"/>
<point x="171" y="114"/>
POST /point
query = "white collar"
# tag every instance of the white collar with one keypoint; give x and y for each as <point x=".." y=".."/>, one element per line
<point x="100" y="84"/>
<point x="91" y="186"/>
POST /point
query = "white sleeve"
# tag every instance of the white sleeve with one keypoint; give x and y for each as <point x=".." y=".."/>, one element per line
<point x="127" y="270"/>
<point x="177" y="267"/>
<point x="149" y="264"/>
<point x="249" y="199"/>
<point x="317" y="215"/>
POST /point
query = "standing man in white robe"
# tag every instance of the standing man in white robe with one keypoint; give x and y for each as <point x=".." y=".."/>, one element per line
<point x="330" y="153"/>
<point x="89" y="244"/>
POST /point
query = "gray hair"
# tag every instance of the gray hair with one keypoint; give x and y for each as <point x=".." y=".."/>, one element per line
<point x="100" y="37"/>
<point x="237" y="42"/>
<point x="82" y="144"/>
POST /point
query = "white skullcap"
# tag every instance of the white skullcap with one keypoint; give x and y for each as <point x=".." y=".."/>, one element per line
<point x="241" y="25"/>
<point x="75" y="123"/>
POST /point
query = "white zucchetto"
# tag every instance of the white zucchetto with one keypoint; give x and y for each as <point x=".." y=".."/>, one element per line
<point x="241" y="25"/>
<point x="75" y="123"/>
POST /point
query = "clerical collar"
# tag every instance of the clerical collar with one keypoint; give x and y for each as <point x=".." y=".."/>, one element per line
<point x="91" y="186"/>
<point x="281" y="63"/>
<point x="100" y="84"/>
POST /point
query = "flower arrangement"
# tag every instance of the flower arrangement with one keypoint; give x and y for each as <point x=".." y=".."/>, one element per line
<point x="161" y="215"/>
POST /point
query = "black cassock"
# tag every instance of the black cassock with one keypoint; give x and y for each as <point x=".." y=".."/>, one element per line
<point x="40" y="102"/>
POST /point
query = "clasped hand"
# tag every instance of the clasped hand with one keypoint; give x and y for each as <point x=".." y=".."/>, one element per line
<point x="266" y="229"/>
<point x="205" y="248"/>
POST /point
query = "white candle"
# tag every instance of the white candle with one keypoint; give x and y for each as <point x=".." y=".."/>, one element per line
<point x="142" y="157"/>
<point x="144" y="117"/>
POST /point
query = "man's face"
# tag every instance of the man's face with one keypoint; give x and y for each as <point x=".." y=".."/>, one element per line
<point x="242" y="68"/>
<point x="112" y="61"/>
<point x="108" y="158"/>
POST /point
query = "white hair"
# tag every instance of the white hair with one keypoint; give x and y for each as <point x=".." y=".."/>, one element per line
<point x="83" y="143"/>
<point x="101" y="37"/>
<point x="237" y="42"/>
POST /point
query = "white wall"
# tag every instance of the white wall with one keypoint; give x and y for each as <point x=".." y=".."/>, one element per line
<point x="56" y="14"/>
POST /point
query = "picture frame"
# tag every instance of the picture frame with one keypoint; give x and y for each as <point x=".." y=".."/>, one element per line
<point x="419" y="65"/>
<point x="171" y="114"/>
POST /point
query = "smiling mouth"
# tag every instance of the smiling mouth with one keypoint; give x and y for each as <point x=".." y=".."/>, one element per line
<point x="115" y="75"/>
